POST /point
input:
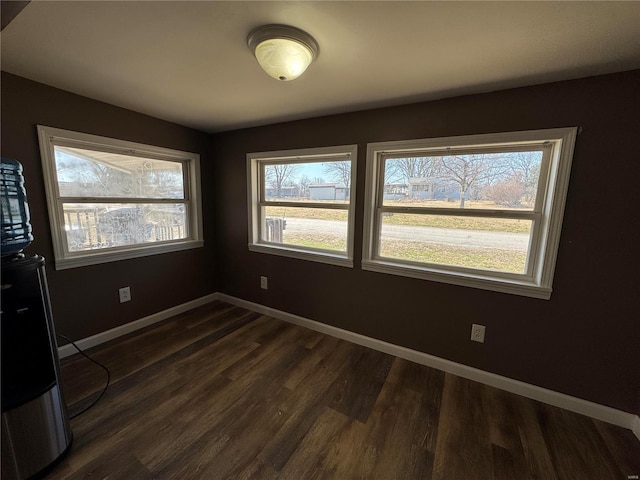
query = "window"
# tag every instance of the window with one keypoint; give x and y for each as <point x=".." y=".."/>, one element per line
<point x="111" y="200"/>
<point x="491" y="219"/>
<point x="301" y="203"/>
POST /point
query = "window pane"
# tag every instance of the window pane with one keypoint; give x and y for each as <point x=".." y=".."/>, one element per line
<point x="98" y="226"/>
<point x="88" y="173"/>
<point x="480" y="243"/>
<point x="311" y="181"/>
<point x="306" y="227"/>
<point x="503" y="181"/>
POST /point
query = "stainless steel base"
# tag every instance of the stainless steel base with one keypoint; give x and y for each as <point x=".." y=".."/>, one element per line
<point x="34" y="435"/>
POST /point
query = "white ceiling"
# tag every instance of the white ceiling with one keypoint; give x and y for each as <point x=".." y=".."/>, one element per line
<point x="188" y="62"/>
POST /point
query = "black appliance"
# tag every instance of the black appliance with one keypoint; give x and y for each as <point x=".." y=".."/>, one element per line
<point x="35" y="426"/>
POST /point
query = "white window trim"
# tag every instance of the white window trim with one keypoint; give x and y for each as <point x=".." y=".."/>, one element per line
<point x="49" y="137"/>
<point x="253" y="203"/>
<point x="538" y="284"/>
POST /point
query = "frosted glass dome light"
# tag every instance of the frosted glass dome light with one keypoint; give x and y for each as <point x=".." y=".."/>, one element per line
<point x="283" y="52"/>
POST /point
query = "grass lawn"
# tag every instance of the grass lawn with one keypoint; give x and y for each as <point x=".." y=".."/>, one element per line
<point x="482" y="258"/>
<point x="317" y="240"/>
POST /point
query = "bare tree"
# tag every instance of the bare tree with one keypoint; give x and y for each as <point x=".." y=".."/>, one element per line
<point x="280" y="174"/>
<point x="466" y="171"/>
<point x="412" y="167"/>
<point x="340" y="172"/>
<point x="303" y="184"/>
<point x="496" y="169"/>
<point x="527" y="166"/>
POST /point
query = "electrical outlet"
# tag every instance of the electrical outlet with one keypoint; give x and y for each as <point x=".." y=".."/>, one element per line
<point x="263" y="283"/>
<point x="477" y="333"/>
<point x="125" y="294"/>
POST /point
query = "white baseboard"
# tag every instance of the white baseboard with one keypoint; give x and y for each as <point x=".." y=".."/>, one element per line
<point x="551" y="397"/>
<point x="102" y="337"/>
<point x="573" y="404"/>
<point x="635" y="426"/>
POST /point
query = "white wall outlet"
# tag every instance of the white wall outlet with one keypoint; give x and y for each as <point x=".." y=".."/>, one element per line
<point x="477" y="333"/>
<point x="125" y="294"/>
<point x="263" y="283"/>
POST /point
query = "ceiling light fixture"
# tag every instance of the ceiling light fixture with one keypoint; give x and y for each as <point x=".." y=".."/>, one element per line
<point x="282" y="51"/>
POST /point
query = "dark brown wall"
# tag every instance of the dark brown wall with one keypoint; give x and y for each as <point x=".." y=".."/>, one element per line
<point x="583" y="342"/>
<point x="85" y="300"/>
<point x="9" y="11"/>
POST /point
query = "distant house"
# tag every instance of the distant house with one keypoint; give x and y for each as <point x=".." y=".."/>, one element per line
<point x="395" y="191"/>
<point x="328" y="191"/>
<point x="435" y="188"/>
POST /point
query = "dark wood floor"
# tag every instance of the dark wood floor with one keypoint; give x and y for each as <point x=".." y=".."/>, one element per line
<point x="224" y="393"/>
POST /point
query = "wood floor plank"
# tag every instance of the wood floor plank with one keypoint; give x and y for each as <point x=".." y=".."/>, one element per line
<point x="205" y="314"/>
<point x="560" y="428"/>
<point x="154" y="425"/>
<point x="122" y="464"/>
<point x="623" y="446"/>
<point x="307" y="461"/>
<point x="403" y="420"/>
<point x="534" y="448"/>
<point x="270" y="340"/>
<point x="505" y="427"/>
<point x="428" y="383"/>
<point x="317" y="354"/>
<point x="310" y="397"/>
<point x="349" y="455"/>
<point x="257" y="471"/>
<point x="360" y="388"/>
<point x="230" y="411"/>
<point x="152" y="387"/>
<point x="463" y="447"/>
<point x="223" y="393"/>
<point x="234" y="441"/>
<point x="126" y="355"/>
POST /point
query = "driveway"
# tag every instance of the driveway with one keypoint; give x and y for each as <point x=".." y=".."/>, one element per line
<point x="473" y="238"/>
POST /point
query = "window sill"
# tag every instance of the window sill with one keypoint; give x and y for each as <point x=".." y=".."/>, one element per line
<point x="292" y="252"/>
<point x="514" y="287"/>
<point x="84" y="259"/>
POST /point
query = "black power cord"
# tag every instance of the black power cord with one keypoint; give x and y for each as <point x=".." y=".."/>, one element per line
<point x="97" y="363"/>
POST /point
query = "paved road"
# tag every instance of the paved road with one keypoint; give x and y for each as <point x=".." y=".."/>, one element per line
<point x="502" y="240"/>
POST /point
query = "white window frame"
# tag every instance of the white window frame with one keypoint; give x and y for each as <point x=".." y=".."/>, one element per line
<point x="547" y="216"/>
<point x="50" y="137"/>
<point x="256" y="200"/>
